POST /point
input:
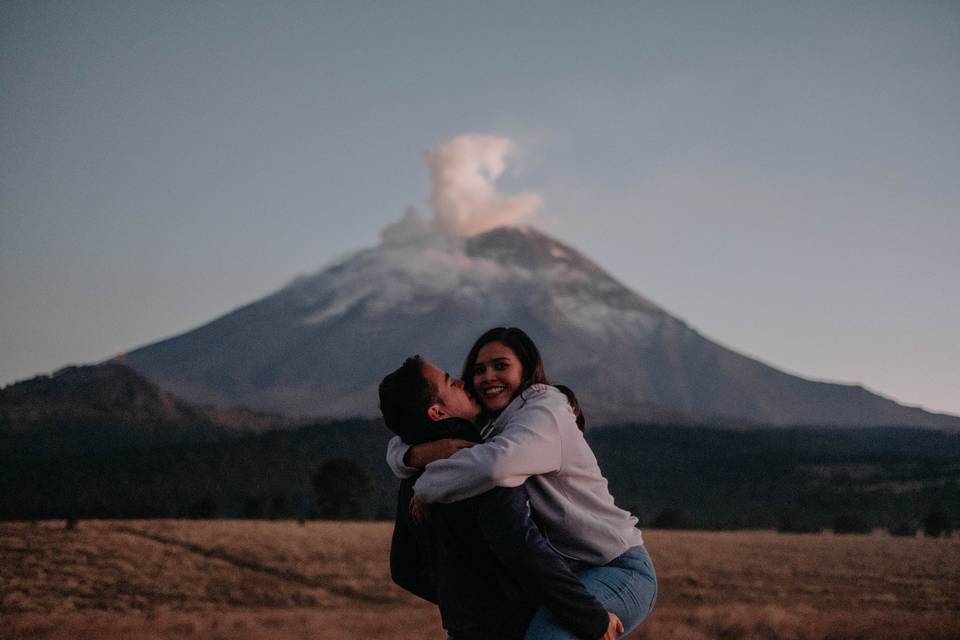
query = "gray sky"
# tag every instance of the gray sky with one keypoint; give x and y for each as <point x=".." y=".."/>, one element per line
<point x="783" y="176"/>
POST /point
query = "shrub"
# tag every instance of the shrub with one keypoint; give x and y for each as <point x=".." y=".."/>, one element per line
<point x="851" y="523"/>
<point x="203" y="509"/>
<point x="937" y="523"/>
<point x="903" y="530"/>
<point x="343" y="490"/>
<point x="672" y="519"/>
<point x="788" y="524"/>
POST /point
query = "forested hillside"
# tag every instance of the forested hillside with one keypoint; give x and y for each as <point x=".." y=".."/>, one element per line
<point x="795" y="479"/>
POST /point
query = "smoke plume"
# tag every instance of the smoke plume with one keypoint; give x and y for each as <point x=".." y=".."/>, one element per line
<point x="465" y="199"/>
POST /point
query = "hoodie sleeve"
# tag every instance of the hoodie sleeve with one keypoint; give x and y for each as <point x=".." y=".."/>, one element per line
<point x="396" y="450"/>
<point x="506" y="525"/>
<point x="529" y="444"/>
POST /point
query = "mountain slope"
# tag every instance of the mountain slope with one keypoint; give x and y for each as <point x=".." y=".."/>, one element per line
<point x="321" y="344"/>
<point x="109" y="407"/>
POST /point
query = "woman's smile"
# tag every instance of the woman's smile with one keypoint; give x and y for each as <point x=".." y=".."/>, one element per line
<point x="491" y="392"/>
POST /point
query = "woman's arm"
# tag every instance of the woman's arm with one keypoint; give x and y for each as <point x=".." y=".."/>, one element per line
<point x="396" y="451"/>
<point x="528" y="445"/>
<point x="407" y="461"/>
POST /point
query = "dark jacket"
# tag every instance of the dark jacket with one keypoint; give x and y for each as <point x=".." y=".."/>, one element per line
<point x="486" y="564"/>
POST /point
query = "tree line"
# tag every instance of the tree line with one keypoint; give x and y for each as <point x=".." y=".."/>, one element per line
<point x="799" y="479"/>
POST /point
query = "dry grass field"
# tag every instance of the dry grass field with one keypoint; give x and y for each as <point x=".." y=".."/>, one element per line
<point x="281" y="580"/>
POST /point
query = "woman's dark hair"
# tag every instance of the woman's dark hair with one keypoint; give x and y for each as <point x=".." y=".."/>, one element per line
<point x="522" y="346"/>
<point x="575" y="405"/>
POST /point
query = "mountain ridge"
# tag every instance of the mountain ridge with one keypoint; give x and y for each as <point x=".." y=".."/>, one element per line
<point x="111" y="407"/>
<point x="320" y="344"/>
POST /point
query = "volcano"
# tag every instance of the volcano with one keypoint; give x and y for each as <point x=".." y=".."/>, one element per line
<point x="321" y="344"/>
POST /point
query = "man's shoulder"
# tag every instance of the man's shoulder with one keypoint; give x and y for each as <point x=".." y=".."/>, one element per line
<point x="434" y="430"/>
<point x="502" y="500"/>
<point x="486" y="516"/>
<point x="538" y="395"/>
<point x="545" y="394"/>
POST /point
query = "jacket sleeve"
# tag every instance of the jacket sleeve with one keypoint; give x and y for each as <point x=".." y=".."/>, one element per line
<point x="528" y="445"/>
<point x="506" y="525"/>
<point x="412" y="551"/>
<point x="396" y="450"/>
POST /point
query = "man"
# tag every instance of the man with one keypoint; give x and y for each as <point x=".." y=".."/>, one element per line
<point x="483" y="560"/>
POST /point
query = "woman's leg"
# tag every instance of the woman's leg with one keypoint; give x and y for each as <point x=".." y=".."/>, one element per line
<point x="626" y="586"/>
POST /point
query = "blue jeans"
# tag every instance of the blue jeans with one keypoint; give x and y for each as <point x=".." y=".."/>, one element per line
<point x="626" y="586"/>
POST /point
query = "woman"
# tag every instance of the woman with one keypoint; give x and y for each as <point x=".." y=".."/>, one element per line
<point x="532" y="433"/>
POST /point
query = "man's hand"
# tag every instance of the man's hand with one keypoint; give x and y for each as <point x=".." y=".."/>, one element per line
<point x="614" y="627"/>
<point x="423" y="454"/>
<point x="419" y="510"/>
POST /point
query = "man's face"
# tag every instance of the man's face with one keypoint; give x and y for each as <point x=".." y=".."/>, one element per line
<point x="452" y="399"/>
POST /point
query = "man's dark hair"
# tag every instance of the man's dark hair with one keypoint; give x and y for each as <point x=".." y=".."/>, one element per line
<point x="405" y="396"/>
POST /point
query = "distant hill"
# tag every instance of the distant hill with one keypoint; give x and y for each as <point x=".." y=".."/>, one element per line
<point x="797" y="478"/>
<point x="320" y="345"/>
<point x="110" y="407"/>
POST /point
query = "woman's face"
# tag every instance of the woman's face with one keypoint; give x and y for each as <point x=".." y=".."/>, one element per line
<point x="497" y="375"/>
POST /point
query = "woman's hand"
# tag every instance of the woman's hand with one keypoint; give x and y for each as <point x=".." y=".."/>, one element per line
<point x="423" y="454"/>
<point x="614" y="627"/>
<point x="419" y="510"/>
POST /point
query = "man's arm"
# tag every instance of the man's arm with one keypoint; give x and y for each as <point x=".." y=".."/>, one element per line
<point x="506" y="525"/>
<point x="413" y="562"/>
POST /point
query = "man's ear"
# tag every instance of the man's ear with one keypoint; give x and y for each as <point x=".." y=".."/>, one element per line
<point x="435" y="412"/>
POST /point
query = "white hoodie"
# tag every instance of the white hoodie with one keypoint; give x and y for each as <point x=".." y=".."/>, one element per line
<point x="536" y="437"/>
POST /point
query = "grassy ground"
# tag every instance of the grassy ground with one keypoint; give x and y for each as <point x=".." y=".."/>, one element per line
<point x="281" y="580"/>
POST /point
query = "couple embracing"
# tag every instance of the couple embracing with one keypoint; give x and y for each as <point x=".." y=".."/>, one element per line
<point x="504" y="519"/>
